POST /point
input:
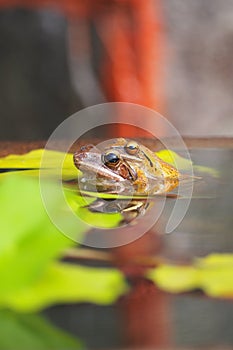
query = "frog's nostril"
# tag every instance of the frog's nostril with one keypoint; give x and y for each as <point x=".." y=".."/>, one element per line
<point x="78" y="157"/>
<point x="86" y="148"/>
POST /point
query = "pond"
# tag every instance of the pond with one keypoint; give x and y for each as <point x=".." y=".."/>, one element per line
<point x="147" y="317"/>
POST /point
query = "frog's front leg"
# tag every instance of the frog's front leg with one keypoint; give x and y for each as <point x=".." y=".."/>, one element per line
<point x="129" y="210"/>
<point x="134" y="209"/>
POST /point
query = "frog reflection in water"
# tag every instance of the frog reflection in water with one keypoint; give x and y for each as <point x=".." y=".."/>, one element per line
<point x="122" y="166"/>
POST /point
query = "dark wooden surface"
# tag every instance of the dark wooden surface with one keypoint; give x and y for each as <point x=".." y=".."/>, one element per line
<point x="20" y="147"/>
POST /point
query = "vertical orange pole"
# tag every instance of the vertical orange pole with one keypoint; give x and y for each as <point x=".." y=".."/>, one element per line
<point x="133" y="71"/>
<point x="146" y="317"/>
<point x="145" y="310"/>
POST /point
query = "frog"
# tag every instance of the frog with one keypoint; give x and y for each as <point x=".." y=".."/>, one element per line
<point x="122" y="164"/>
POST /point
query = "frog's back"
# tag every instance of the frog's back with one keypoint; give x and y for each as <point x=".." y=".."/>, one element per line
<point x="160" y="169"/>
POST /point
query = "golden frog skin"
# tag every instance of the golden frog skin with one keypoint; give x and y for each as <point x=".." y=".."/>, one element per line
<point x="121" y="162"/>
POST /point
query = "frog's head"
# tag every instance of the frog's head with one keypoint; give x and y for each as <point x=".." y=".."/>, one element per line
<point x="118" y="160"/>
<point x="114" y="162"/>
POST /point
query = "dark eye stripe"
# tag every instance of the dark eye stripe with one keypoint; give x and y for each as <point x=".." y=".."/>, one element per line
<point x="150" y="161"/>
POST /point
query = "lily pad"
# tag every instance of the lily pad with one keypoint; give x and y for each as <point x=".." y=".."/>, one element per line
<point x="31" y="163"/>
<point x="213" y="274"/>
<point x="67" y="283"/>
<point x="182" y="163"/>
<point x="30" y="245"/>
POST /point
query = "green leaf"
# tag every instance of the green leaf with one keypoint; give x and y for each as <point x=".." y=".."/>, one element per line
<point x="27" y="332"/>
<point x="28" y="239"/>
<point x="216" y="276"/>
<point x="52" y="161"/>
<point x="79" y="204"/>
<point x="213" y="274"/>
<point x="175" y="279"/>
<point x="32" y="160"/>
<point x="31" y="278"/>
<point x="174" y="159"/>
<point x="66" y="283"/>
<point x="182" y="163"/>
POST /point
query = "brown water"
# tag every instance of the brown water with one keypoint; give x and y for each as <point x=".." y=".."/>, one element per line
<point x="148" y="318"/>
<point x="208" y="225"/>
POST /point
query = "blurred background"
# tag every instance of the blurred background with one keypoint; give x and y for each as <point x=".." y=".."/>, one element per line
<point x="57" y="57"/>
<point x="60" y="56"/>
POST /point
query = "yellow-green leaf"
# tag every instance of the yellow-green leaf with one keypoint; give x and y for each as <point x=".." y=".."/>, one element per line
<point x="79" y="204"/>
<point x="175" y="279"/>
<point x="66" y="283"/>
<point x="52" y="161"/>
<point x="213" y="274"/>
<point x="28" y="238"/>
<point x="182" y="163"/>
<point x="32" y="159"/>
<point x="30" y="245"/>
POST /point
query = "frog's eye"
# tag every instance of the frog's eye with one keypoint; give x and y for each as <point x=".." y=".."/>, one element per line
<point x="132" y="147"/>
<point x="111" y="158"/>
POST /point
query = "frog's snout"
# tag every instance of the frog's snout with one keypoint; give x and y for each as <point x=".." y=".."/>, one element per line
<point x="78" y="158"/>
<point x="80" y="155"/>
